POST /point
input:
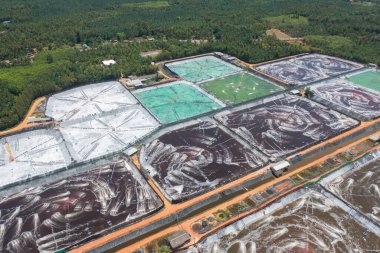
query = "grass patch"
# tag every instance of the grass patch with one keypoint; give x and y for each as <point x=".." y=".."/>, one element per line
<point x="20" y="76"/>
<point x="296" y="179"/>
<point x="148" y="4"/>
<point x="222" y="215"/>
<point x="288" y="20"/>
<point x="237" y="208"/>
<point x="312" y="172"/>
<point x="332" y="43"/>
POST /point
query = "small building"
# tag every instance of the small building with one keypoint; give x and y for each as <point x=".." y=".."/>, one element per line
<point x="280" y="167"/>
<point x="135" y="82"/>
<point x="272" y="159"/>
<point x="33" y="120"/>
<point x="227" y="57"/>
<point x="138" y="39"/>
<point x="295" y="92"/>
<point x="108" y="62"/>
<point x="131" y="151"/>
<point x="151" y="53"/>
<point x="199" y="42"/>
<point x="150" y="38"/>
<point x="178" y="239"/>
<point x="375" y="138"/>
<point x="30" y="55"/>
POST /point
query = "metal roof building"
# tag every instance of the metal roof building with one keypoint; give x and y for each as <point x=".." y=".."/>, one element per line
<point x="279" y="167"/>
<point x="178" y="239"/>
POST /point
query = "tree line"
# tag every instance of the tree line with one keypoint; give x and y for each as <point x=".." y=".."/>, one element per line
<point x="236" y="27"/>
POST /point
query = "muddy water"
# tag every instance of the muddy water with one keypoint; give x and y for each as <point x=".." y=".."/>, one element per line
<point x="311" y="223"/>
<point x="63" y="213"/>
<point x="327" y="65"/>
<point x="353" y="98"/>
<point x="286" y="125"/>
<point x="361" y="189"/>
<point x="193" y="159"/>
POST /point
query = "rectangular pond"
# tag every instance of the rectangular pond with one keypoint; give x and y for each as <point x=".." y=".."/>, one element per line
<point x="202" y="68"/>
<point x="239" y="87"/>
<point x="176" y="101"/>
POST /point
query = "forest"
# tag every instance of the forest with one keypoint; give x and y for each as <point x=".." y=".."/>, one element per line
<point x="53" y="33"/>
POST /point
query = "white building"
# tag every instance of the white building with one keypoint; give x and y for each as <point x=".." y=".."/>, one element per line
<point x="280" y="167"/>
<point x="131" y="151"/>
<point x="135" y="82"/>
<point x="295" y="92"/>
<point x="375" y="138"/>
<point x="108" y="62"/>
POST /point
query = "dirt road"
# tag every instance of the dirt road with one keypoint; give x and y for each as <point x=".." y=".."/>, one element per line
<point x="171" y="209"/>
<point x="186" y="225"/>
<point x="25" y="123"/>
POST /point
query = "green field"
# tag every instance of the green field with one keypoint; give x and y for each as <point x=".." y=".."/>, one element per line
<point x="239" y="88"/>
<point x="148" y="4"/>
<point x="288" y="20"/>
<point x="176" y="102"/>
<point x="370" y="79"/>
<point x="334" y="43"/>
<point x="20" y="76"/>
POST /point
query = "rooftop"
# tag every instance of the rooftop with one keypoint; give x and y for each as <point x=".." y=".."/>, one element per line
<point x="108" y="62"/>
<point x="178" y="238"/>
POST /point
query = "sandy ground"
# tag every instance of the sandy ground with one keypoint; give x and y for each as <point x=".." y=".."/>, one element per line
<point x="283" y="36"/>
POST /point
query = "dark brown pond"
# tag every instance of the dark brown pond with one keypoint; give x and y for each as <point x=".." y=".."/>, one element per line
<point x="361" y="189"/>
<point x="287" y="124"/>
<point x="63" y="213"/>
<point x="194" y="159"/>
<point x="350" y="97"/>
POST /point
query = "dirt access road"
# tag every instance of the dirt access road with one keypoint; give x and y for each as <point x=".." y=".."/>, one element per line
<point x="171" y="209"/>
<point x="186" y="225"/>
<point x="25" y="122"/>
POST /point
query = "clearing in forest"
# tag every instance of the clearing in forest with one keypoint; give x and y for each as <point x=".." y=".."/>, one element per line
<point x="147" y="4"/>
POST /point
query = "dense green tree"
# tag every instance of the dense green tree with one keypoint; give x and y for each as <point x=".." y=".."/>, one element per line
<point x="343" y="28"/>
<point x="121" y="36"/>
<point x="49" y="58"/>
